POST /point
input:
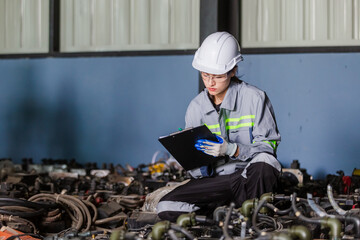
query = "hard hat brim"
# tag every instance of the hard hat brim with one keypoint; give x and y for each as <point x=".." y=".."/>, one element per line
<point x="218" y="69"/>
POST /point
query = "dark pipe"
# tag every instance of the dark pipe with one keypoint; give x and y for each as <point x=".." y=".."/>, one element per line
<point x="227" y="219"/>
<point x="182" y="230"/>
<point x="255" y="213"/>
<point x="278" y="211"/>
<point x="332" y="223"/>
<point x="356" y="221"/>
<point x="24" y="203"/>
<point x="23" y="214"/>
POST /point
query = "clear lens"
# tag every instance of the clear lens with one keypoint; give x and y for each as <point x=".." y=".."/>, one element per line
<point x="215" y="78"/>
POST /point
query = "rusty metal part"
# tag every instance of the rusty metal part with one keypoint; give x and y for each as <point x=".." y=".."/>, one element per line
<point x="115" y="178"/>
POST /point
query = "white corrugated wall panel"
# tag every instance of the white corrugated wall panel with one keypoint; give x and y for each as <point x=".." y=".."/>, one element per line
<point x="300" y="23"/>
<point x="122" y="25"/>
<point x="248" y="19"/>
<point x="101" y="22"/>
<point x="121" y="16"/>
<point x="292" y="26"/>
<point x="356" y="20"/>
<point x="160" y="24"/>
<point x="140" y="22"/>
<point x="82" y="23"/>
<point x="24" y="26"/>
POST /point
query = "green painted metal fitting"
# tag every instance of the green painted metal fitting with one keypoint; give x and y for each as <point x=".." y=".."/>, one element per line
<point x="300" y="232"/>
<point x="247" y="206"/>
<point x="279" y="236"/>
<point x="117" y="235"/>
<point x="334" y="225"/>
<point x="185" y="220"/>
<point x="268" y="197"/>
<point x="159" y="229"/>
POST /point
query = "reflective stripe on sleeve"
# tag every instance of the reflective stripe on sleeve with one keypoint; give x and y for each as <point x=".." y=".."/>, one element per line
<point x="272" y="143"/>
<point x="174" y="206"/>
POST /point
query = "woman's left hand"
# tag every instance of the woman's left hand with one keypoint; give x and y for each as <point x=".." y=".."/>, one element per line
<point x="216" y="149"/>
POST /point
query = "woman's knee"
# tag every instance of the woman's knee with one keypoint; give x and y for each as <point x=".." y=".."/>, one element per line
<point x="261" y="169"/>
<point x="263" y="174"/>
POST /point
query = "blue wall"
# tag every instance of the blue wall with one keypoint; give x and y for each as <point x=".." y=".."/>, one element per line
<point x="92" y="109"/>
<point x="113" y="109"/>
<point x="315" y="97"/>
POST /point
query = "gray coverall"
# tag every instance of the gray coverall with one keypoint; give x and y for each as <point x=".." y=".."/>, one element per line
<point x="246" y="117"/>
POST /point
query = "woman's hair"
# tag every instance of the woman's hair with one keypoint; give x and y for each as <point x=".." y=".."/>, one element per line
<point x="234" y="78"/>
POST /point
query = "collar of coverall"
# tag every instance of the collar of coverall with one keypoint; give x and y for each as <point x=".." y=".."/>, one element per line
<point x="228" y="102"/>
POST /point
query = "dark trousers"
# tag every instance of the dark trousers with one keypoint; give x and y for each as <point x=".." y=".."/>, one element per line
<point x="211" y="192"/>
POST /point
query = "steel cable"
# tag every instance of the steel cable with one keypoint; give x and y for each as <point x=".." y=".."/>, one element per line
<point x="78" y="220"/>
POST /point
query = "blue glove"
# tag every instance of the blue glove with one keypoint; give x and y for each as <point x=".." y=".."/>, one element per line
<point x="216" y="149"/>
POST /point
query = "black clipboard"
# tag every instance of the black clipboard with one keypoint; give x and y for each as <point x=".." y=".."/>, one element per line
<point x="181" y="145"/>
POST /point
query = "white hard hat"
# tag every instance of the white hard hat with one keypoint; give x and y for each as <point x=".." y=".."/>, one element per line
<point x="218" y="54"/>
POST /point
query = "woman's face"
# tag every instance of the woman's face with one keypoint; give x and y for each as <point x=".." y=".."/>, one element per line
<point x="217" y="85"/>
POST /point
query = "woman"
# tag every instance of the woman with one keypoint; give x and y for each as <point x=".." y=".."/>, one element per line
<point x="243" y="120"/>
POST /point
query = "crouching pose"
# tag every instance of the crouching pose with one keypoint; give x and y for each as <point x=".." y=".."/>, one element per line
<point x="243" y="120"/>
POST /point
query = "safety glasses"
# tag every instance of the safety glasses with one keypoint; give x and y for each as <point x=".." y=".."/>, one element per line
<point x="216" y="78"/>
